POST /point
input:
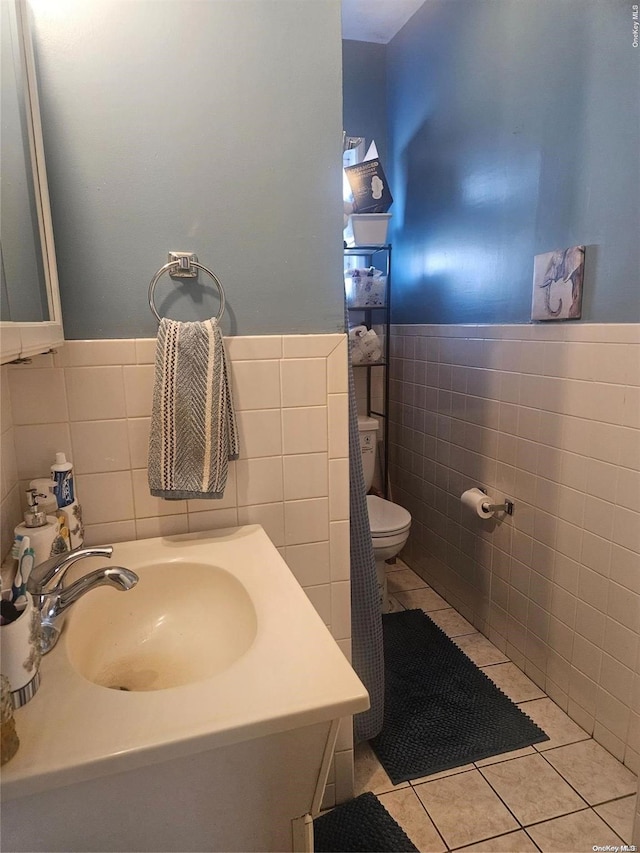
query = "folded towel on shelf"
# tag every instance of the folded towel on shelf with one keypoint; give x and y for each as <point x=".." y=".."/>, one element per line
<point x="193" y="425"/>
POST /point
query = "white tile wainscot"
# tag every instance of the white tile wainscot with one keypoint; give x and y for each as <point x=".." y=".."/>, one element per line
<point x="548" y="415"/>
<point x="92" y="400"/>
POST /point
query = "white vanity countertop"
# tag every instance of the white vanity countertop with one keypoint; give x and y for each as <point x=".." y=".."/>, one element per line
<point x="293" y="675"/>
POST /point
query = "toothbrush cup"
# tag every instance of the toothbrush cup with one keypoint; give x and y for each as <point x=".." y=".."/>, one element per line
<point x="20" y="653"/>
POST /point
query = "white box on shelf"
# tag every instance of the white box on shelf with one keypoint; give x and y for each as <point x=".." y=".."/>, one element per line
<point x="370" y="229"/>
<point x="365" y="288"/>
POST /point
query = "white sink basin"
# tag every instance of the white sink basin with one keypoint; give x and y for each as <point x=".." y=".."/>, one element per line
<point x="216" y="645"/>
<point x="175" y="627"/>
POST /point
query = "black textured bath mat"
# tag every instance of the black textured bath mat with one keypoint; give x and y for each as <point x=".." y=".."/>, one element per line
<point x="440" y="709"/>
<point x="362" y="824"/>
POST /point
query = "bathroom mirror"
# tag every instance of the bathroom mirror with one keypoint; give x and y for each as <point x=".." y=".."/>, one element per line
<point x="30" y="314"/>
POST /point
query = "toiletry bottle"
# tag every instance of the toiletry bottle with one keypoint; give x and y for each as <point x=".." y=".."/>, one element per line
<point x="69" y="510"/>
<point x="43" y="532"/>
<point x="62" y="475"/>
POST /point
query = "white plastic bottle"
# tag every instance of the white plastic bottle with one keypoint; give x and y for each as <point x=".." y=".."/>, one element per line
<point x="62" y="475"/>
<point x="69" y="509"/>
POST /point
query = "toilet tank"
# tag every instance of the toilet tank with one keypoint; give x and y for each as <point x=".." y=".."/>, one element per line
<point x="368" y="429"/>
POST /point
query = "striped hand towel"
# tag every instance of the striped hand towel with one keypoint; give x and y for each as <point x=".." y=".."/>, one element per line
<point x="193" y="425"/>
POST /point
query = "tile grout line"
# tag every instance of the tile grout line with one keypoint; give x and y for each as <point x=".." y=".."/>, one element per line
<point x="434" y="824"/>
<point x="559" y="772"/>
<point x="535" y="823"/>
<point x="608" y="823"/>
<point x="494" y="837"/>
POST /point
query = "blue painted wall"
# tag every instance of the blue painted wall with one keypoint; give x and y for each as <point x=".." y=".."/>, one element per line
<point x="213" y="127"/>
<point x="514" y="131"/>
<point x="364" y="92"/>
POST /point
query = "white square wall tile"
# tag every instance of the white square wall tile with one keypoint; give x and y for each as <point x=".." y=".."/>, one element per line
<point x="10" y="516"/>
<point x="38" y="396"/>
<point x="625" y="568"/>
<point x="36" y="448"/>
<point x="148" y="506"/>
<point x="6" y="416"/>
<point x="8" y="466"/>
<point x="344" y="776"/>
<point x="329" y="797"/>
<point x="253" y="347"/>
<point x="100" y="446"/>
<point x="110" y="532"/>
<point x="215" y="519"/>
<point x="629" y="446"/>
<point x="270" y="516"/>
<point x="138" y="389"/>
<point x="338" y="425"/>
<point x="304" y="382"/>
<point x="95" y="393"/>
<point x="306" y="521"/>
<point x="310" y="346"/>
<point x="260" y="432"/>
<point x="106" y="497"/>
<point x="612" y="714"/>
<point x="628" y="491"/>
<point x="345" y="734"/>
<point x="259" y="481"/>
<point x="305" y="430"/>
<point x="306" y="476"/>
<point x="256" y="384"/>
<point x="337" y="369"/>
<point x="339" y="543"/>
<point x="320" y="597"/>
<point x="341" y="610"/>
<point x="631" y="415"/>
<point x="338" y="489"/>
<point x="138" y="430"/>
<point x="626" y="529"/>
<point x="145" y="350"/>
<point x="310" y="563"/>
<point x="345" y="648"/>
<point x="96" y="353"/>
<point x="164" y="525"/>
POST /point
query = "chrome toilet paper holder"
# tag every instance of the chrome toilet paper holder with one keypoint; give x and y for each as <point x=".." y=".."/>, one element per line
<point x="507" y="506"/>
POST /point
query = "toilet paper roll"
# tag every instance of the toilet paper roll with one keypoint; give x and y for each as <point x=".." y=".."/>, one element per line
<point x="475" y="500"/>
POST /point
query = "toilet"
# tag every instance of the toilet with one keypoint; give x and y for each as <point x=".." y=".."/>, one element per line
<point x="389" y="523"/>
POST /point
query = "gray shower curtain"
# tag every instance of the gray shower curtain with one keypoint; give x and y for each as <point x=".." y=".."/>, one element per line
<point x="366" y="619"/>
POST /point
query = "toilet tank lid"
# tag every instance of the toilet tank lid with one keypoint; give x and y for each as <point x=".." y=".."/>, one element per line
<point x="366" y="423"/>
<point x="386" y="517"/>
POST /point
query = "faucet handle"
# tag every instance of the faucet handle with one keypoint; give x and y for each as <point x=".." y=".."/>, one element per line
<point x="42" y="574"/>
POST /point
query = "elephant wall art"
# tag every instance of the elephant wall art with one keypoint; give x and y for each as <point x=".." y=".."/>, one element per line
<point x="557" y="284"/>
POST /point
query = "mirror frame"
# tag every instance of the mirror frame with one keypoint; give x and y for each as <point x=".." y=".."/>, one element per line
<point x="22" y="340"/>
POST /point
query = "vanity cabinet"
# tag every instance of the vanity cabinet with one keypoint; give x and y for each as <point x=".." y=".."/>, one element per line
<point x="376" y="317"/>
<point x="207" y="723"/>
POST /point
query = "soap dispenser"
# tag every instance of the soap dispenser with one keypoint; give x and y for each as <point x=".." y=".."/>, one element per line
<point x="42" y="530"/>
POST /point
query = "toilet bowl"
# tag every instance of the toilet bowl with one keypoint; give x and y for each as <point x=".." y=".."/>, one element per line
<point x="390" y="524"/>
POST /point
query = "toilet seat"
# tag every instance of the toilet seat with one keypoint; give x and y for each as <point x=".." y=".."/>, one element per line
<point x="386" y="518"/>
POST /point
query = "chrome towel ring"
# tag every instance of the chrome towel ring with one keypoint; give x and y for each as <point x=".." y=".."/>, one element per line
<point x="183" y="269"/>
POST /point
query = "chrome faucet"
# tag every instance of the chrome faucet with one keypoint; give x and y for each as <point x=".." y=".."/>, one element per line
<point x="53" y="600"/>
<point x="54" y="569"/>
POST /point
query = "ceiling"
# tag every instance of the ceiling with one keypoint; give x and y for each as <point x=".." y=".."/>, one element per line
<point x="376" y="20"/>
